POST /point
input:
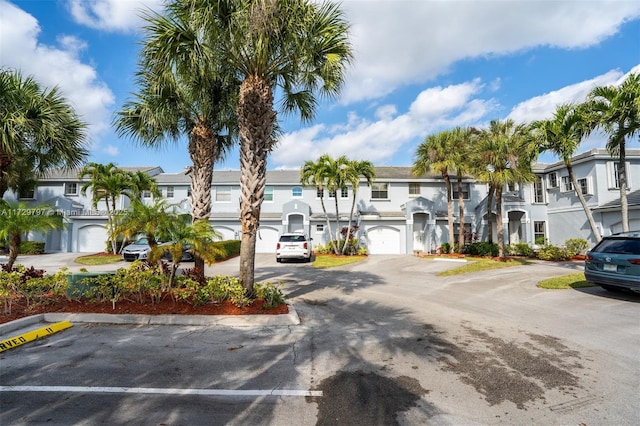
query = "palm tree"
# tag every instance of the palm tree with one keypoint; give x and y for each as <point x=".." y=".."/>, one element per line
<point x="463" y="139"/>
<point x="354" y="171"/>
<point x="317" y="174"/>
<point x="562" y="135"/>
<point x="107" y="182"/>
<point x="504" y="155"/>
<point x="18" y="218"/>
<point x="183" y="90"/>
<point x="39" y="128"/>
<point x="435" y="154"/>
<point x="617" y="111"/>
<point x="299" y="47"/>
<point x="139" y="182"/>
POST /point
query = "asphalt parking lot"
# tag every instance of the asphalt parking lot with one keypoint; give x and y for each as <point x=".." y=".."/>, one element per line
<point x="384" y="341"/>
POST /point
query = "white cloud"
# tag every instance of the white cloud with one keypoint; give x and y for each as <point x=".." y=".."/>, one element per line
<point x="111" y="15"/>
<point x="398" y="43"/>
<point x="111" y="150"/>
<point x="55" y="66"/>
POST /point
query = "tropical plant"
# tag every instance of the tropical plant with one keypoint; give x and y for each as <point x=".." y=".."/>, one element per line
<point x="616" y="109"/>
<point x="504" y="155"/>
<point x="184" y="89"/>
<point x="18" y="218"/>
<point x="562" y="135"/>
<point x="39" y="131"/>
<point x="435" y="154"/>
<point x="139" y="182"/>
<point x="299" y="47"/>
<point x="352" y="173"/>
<point x="107" y="182"/>
<point x="317" y="174"/>
<point x="464" y="140"/>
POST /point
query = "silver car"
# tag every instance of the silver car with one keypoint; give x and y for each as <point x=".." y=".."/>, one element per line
<point x="138" y="250"/>
<point x="295" y="245"/>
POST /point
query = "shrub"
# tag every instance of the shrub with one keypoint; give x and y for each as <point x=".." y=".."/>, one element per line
<point x="229" y="248"/>
<point x="446" y="248"/>
<point x="576" y="246"/>
<point x="521" y="249"/>
<point x="482" y="248"/>
<point x="270" y="294"/>
<point x="31" y="247"/>
<point x="320" y="249"/>
<point x="551" y="252"/>
<point x="227" y="288"/>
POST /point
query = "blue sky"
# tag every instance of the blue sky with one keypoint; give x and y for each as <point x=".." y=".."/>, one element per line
<point x="420" y="67"/>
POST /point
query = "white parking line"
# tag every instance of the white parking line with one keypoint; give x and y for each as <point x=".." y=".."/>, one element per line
<point x="162" y="391"/>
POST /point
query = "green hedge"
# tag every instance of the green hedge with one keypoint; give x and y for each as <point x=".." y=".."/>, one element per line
<point x="230" y="247"/>
<point x="31" y="247"/>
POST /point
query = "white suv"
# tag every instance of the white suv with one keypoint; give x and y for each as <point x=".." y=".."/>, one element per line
<point x="295" y="245"/>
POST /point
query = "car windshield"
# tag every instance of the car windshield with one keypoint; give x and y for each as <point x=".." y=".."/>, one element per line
<point x="141" y="241"/>
<point x="618" y="246"/>
<point x="292" y="238"/>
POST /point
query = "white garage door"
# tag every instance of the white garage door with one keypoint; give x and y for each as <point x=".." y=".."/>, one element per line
<point x="227" y="233"/>
<point x="383" y="240"/>
<point x="92" y="239"/>
<point x="267" y="240"/>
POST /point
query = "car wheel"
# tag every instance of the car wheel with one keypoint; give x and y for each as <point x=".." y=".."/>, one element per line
<point x="278" y="260"/>
<point x="611" y="288"/>
<point x="308" y="259"/>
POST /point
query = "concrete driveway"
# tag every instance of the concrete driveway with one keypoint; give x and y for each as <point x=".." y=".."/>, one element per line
<point x="384" y="341"/>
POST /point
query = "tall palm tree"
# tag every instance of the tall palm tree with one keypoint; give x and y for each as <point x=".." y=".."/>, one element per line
<point x="299" y="47"/>
<point x="139" y="182"/>
<point x="354" y="171"/>
<point x="317" y="174"/>
<point x="463" y="139"/>
<point x="503" y="156"/>
<point x="435" y="155"/>
<point x="617" y="110"/>
<point x="184" y="89"/>
<point x="107" y="182"/>
<point x="562" y="135"/>
<point x="38" y="127"/>
<point x="18" y="218"/>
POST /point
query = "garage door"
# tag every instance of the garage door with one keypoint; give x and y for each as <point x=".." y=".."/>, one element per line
<point x="227" y="233"/>
<point x="383" y="240"/>
<point x="92" y="239"/>
<point x="267" y="240"/>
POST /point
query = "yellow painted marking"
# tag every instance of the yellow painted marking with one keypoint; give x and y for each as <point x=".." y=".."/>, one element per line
<point x="21" y="339"/>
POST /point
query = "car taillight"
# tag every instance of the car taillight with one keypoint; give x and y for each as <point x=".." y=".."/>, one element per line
<point x="634" y="261"/>
<point x="305" y="246"/>
<point x="278" y="246"/>
<point x="589" y="257"/>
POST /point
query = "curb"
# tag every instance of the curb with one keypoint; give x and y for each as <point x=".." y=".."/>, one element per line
<point x="196" y="320"/>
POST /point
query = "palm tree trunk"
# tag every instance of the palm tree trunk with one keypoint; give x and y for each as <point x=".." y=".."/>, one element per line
<point x="337" y="245"/>
<point x="461" y="215"/>
<point x="255" y="122"/>
<point x="489" y="213"/>
<point x="203" y="152"/>
<point x="500" y="225"/>
<point x="447" y="183"/>
<point x="110" y="218"/>
<point x="622" y="177"/>
<point x="14" y="248"/>
<point x="326" y="217"/>
<point x="583" y="202"/>
<point x="353" y="205"/>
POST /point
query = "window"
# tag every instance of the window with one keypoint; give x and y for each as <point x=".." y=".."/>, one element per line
<point x="465" y="191"/>
<point x="380" y="191"/>
<point x="332" y="193"/>
<point x="414" y="189"/>
<point x="189" y="191"/>
<point x="296" y="191"/>
<point x="146" y="194"/>
<point x="512" y="187"/>
<point x="319" y="192"/>
<point x="553" y="180"/>
<point x="344" y="192"/>
<point x="539" y="234"/>
<point x="567" y="185"/>
<point x="268" y="193"/>
<point x="169" y="191"/>
<point x="319" y="227"/>
<point x="223" y="194"/>
<point x="614" y="175"/>
<point x="584" y="186"/>
<point x="538" y="190"/>
<point x="70" y="188"/>
<point x="28" y="194"/>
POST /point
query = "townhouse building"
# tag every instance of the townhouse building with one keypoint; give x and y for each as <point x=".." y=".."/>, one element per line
<point x="400" y="213"/>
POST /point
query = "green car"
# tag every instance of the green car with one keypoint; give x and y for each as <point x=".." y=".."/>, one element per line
<point x="614" y="263"/>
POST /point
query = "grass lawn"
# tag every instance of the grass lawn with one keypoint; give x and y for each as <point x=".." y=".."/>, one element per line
<point x="481" y="264"/>
<point x="98" y="259"/>
<point x="330" y="261"/>
<point x="576" y="280"/>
